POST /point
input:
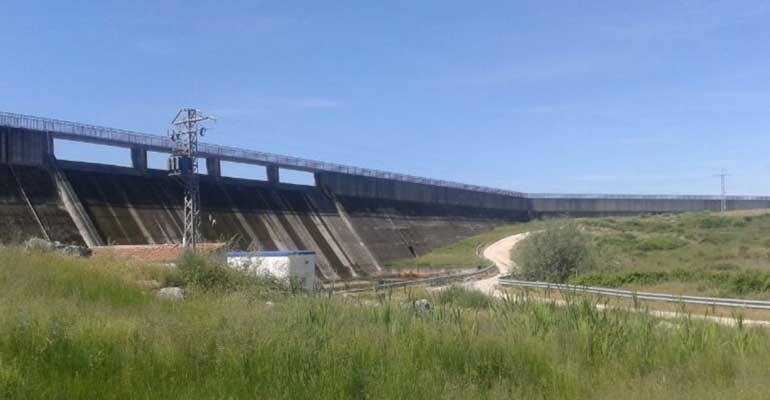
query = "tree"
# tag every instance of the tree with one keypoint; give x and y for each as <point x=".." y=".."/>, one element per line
<point x="555" y="254"/>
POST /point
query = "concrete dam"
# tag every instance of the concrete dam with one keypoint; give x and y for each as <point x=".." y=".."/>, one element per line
<point x="354" y="219"/>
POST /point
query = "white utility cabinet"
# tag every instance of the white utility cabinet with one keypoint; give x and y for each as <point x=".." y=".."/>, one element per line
<point x="282" y="265"/>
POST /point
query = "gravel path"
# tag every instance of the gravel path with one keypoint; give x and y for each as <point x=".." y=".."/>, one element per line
<point x="500" y="254"/>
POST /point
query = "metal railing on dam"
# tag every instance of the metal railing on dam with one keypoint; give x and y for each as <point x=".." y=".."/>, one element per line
<point x="123" y="138"/>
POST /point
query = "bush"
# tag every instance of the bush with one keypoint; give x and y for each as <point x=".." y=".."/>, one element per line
<point x="208" y="273"/>
<point x="464" y="297"/>
<point x="715" y="238"/>
<point x="204" y="272"/>
<point x="636" y="278"/>
<point x="624" y="240"/>
<point x="708" y="221"/>
<point x="715" y="222"/>
<point x="555" y="254"/>
<point x="38" y="245"/>
<point x="660" y="242"/>
<point x="743" y="282"/>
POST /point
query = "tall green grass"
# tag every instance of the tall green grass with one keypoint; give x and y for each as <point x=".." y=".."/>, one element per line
<point x="80" y="329"/>
<point x="463" y="297"/>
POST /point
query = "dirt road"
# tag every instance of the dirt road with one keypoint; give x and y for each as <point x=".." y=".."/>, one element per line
<point x="500" y="254"/>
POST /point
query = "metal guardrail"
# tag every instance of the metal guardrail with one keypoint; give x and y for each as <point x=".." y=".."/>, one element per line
<point x="442" y="280"/>
<point x="124" y="138"/>
<point x="708" y="301"/>
<point x="437" y="281"/>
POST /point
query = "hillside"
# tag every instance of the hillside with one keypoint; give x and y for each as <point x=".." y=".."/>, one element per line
<point x="83" y="329"/>
<point x="693" y="253"/>
<point x="714" y="254"/>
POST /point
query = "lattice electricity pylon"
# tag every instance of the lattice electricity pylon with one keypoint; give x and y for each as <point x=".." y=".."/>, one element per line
<point x="183" y="162"/>
<point x="723" y="200"/>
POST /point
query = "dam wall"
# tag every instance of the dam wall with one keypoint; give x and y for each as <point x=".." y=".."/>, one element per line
<point x="395" y="230"/>
<point x="353" y="237"/>
<point x="129" y="207"/>
<point x="386" y="189"/>
<point x="399" y="220"/>
<point x="356" y="220"/>
<point x="30" y="206"/>
<point x="609" y="205"/>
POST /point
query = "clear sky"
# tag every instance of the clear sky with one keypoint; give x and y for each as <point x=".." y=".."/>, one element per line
<point x="537" y="96"/>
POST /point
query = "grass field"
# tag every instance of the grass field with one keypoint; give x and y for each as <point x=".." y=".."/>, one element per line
<point x="713" y="254"/>
<point x="85" y="329"/>
<point x="462" y="254"/>
<point x="696" y="253"/>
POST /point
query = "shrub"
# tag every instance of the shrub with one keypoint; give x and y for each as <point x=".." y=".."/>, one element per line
<point x="464" y="297"/>
<point x="715" y="238"/>
<point x="725" y="266"/>
<point x="208" y="273"/>
<point x="204" y="272"/>
<point x="660" y="242"/>
<point x="706" y="221"/>
<point x="38" y="245"/>
<point x="660" y="226"/>
<point x="605" y="223"/>
<point x="629" y="241"/>
<point x="743" y="282"/>
<point x="619" y="279"/>
<point x="555" y="254"/>
<point x="715" y="222"/>
<point x="624" y="240"/>
<point x="636" y="278"/>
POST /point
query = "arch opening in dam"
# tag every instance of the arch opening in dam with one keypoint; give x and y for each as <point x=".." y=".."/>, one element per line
<point x="69" y="150"/>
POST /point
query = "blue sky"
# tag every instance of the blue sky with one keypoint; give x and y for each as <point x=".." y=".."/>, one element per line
<point x="537" y="96"/>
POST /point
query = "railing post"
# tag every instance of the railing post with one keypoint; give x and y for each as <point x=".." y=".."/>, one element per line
<point x="139" y="158"/>
<point x="214" y="166"/>
<point x="3" y="145"/>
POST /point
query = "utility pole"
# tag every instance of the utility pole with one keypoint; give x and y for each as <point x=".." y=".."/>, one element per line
<point x="723" y="177"/>
<point x="183" y="162"/>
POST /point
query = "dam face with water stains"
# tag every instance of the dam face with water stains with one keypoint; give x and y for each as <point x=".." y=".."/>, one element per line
<point x="355" y="219"/>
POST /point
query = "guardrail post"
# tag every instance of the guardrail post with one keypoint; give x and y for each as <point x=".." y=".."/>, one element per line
<point x="273" y="174"/>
